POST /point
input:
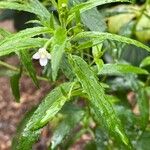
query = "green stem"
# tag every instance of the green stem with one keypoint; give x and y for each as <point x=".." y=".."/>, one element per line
<point x="147" y="83"/>
<point x="8" y="66"/>
<point x="47" y="43"/>
<point x="17" y="70"/>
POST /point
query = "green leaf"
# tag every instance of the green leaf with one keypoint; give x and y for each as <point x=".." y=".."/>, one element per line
<point x="93" y="3"/>
<point x="49" y="107"/>
<point x="133" y="54"/>
<point x="25" y="142"/>
<point x="85" y="45"/>
<point x="27" y="62"/>
<point x="53" y="102"/>
<point x="143" y="102"/>
<point x="101" y="106"/>
<point x="14" y="5"/>
<point x="120" y="69"/>
<point x="4" y="33"/>
<point x="93" y="20"/>
<point x="27" y="33"/>
<point x="58" y="48"/>
<point x="34" y="22"/>
<point x="66" y="68"/>
<point x="14" y="81"/>
<point x="39" y="9"/>
<point x="99" y="63"/>
<point x="67" y="125"/>
<point x="125" y="112"/>
<point x="124" y="83"/>
<point x="97" y="53"/>
<point x="23" y="40"/>
<point x="143" y="142"/>
<point x="82" y="7"/>
<point x="108" y="36"/>
<point x="145" y="62"/>
<point x="100" y="138"/>
<point x="21" y="44"/>
<point x="33" y="6"/>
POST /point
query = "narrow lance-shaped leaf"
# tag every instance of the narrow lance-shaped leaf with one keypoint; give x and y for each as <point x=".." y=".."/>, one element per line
<point x="82" y="7"/>
<point x="92" y="18"/>
<point x="49" y="107"/>
<point x="108" y="36"/>
<point x="66" y="68"/>
<point x="32" y="6"/>
<point x="27" y="33"/>
<point x="14" y="81"/>
<point x="39" y="9"/>
<point x="58" y="47"/>
<point x="4" y="33"/>
<point x="145" y="62"/>
<point x="53" y="102"/>
<point x="25" y="43"/>
<point x="93" y="3"/>
<point x="120" y="69"/>
<point x="22" y="40"/>
<point x="27" y="62"/>
<point x="14" y="5"/>
<point x="97" y="53"/>
<point x="25" y="142"/>
<point x="101" y="106"/>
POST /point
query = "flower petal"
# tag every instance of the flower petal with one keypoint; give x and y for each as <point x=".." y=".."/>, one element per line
<point x="41" y="50"/>
<point x="43" y="61"/>
<point x="48" y="55"/>
<point x="36" y="56"/>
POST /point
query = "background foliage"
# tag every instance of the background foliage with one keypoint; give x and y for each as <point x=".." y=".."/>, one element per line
<point x="99" y="54"/>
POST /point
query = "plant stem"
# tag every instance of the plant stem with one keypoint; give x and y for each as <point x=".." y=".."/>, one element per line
<point x="47" y="43"/>
<point x="8" y="66"/>
<point x="17" y="70"/>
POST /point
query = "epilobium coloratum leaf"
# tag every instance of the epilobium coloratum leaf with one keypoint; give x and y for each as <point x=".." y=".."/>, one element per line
<point x="101" y="106"/>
